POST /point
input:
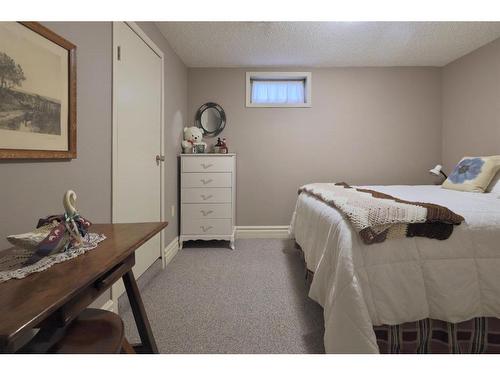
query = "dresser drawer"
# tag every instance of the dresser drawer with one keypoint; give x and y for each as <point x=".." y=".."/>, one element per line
<point x="207" y="211"/>
<point x="207" y="164"/>
<point x="206" y="195"/>
<point x="207" y="226"/>
<point x="190" y="180"/>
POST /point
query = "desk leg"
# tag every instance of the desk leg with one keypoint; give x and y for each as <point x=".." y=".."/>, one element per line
<point x="141" y="319"/>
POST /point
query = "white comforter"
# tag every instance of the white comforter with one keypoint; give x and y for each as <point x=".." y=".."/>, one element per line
<point x="400" y="280"/>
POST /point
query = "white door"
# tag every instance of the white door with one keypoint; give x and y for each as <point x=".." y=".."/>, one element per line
<point x="137" y="139"/>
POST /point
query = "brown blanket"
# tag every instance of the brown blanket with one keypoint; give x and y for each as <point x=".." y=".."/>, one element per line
<point x="377" y="216"/>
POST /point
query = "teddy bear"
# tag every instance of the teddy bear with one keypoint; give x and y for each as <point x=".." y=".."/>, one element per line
<point x="192" y="136"/>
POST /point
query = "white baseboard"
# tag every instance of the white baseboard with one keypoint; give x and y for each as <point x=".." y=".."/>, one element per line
<point x="170" y="251"/>
<point x="270" y="231"/>
<point x="108" y="305"/>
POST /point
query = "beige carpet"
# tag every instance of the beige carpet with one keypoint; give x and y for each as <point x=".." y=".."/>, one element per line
<point x="210" y="299"/>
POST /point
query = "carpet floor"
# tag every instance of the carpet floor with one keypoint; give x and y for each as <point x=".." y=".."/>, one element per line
<point x="211" y="299"/>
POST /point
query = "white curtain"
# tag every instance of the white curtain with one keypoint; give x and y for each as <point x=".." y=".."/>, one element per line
<point x="277" y="92"/>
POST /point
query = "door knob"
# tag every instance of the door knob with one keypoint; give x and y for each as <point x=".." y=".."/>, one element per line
<point x="160" y="158"/>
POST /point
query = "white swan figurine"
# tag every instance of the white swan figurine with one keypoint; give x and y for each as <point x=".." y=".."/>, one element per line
<point x="69" y="202"/>
<point x="31" y="239"/>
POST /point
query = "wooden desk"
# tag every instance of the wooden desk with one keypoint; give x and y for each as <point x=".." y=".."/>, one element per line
<point x="54" y="297"/>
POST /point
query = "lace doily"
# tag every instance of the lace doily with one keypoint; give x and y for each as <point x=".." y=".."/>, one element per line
<point x="12" y="260"/>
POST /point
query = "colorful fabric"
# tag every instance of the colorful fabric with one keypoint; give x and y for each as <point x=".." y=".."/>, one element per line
<point x="60" y="237"/>
<point x="474" y="336"/>
<point x="14" y="261"/>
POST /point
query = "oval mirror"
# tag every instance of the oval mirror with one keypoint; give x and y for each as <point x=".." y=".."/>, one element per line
<point x="211" y="118"/>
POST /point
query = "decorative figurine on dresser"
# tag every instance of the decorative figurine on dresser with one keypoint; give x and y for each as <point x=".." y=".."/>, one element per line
<point x="208" y="184"/>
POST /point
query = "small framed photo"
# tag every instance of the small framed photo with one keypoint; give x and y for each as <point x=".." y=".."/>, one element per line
<point x="199" y="148"/>
<point x="37" y="93"/>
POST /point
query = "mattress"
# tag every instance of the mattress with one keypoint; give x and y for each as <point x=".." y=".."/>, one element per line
<point x="400" y="280"/>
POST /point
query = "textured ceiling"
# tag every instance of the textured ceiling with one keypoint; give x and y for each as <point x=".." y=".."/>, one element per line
<point x="323" y="44"/>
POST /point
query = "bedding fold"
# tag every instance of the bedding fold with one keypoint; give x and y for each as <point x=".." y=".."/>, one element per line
<point x="378" y="217"/>
<point x="403" y="280"/>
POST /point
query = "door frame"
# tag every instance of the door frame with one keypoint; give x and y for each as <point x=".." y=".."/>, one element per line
<point x="142" y="35"/>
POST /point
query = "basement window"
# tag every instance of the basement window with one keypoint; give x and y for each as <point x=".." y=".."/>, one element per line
<point x="278" y="89"/>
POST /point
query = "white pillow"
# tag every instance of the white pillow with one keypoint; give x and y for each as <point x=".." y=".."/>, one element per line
<point x="494" y="186"/>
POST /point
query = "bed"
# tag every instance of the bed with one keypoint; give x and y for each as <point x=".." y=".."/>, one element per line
<point x="367" y="290"/>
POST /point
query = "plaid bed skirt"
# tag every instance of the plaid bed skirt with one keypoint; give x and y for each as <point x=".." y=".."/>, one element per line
<point x="432" y="336"/>
<point x="478" y="335"/>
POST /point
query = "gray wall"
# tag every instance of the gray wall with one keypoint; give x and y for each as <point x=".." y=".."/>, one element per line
<point x="471" y="105"/>
<point x="366" y="126"/>
<point x="32" y="189"/>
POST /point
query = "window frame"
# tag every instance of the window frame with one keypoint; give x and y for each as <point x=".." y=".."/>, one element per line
<point x="270" y="76"/>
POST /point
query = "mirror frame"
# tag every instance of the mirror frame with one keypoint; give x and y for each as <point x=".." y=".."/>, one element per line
<point x="202" y="109"/>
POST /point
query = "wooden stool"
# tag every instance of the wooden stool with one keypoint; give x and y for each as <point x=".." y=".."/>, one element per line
<point x="94" y="331"/>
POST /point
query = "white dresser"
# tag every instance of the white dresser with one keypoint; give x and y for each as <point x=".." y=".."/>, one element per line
<point x="208" y="197"/>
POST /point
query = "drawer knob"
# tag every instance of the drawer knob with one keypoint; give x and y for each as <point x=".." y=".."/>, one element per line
<point x="206" y="197"/>
<point x="206" y="166"/>
<point x="205" y="213"/>
<point x="204" y="228"/>
<point x="206" y="181"/>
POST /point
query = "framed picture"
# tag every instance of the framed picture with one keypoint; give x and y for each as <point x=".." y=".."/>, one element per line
<point x="37" y="93"/>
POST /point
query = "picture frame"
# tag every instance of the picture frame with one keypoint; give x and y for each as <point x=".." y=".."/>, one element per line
<point x="37" y="93"/>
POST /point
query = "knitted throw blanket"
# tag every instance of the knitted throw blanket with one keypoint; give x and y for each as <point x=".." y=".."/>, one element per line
<point x="377" y="216"/>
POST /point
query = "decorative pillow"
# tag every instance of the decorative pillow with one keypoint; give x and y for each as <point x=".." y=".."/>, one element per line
<point x="473" y="174"/>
